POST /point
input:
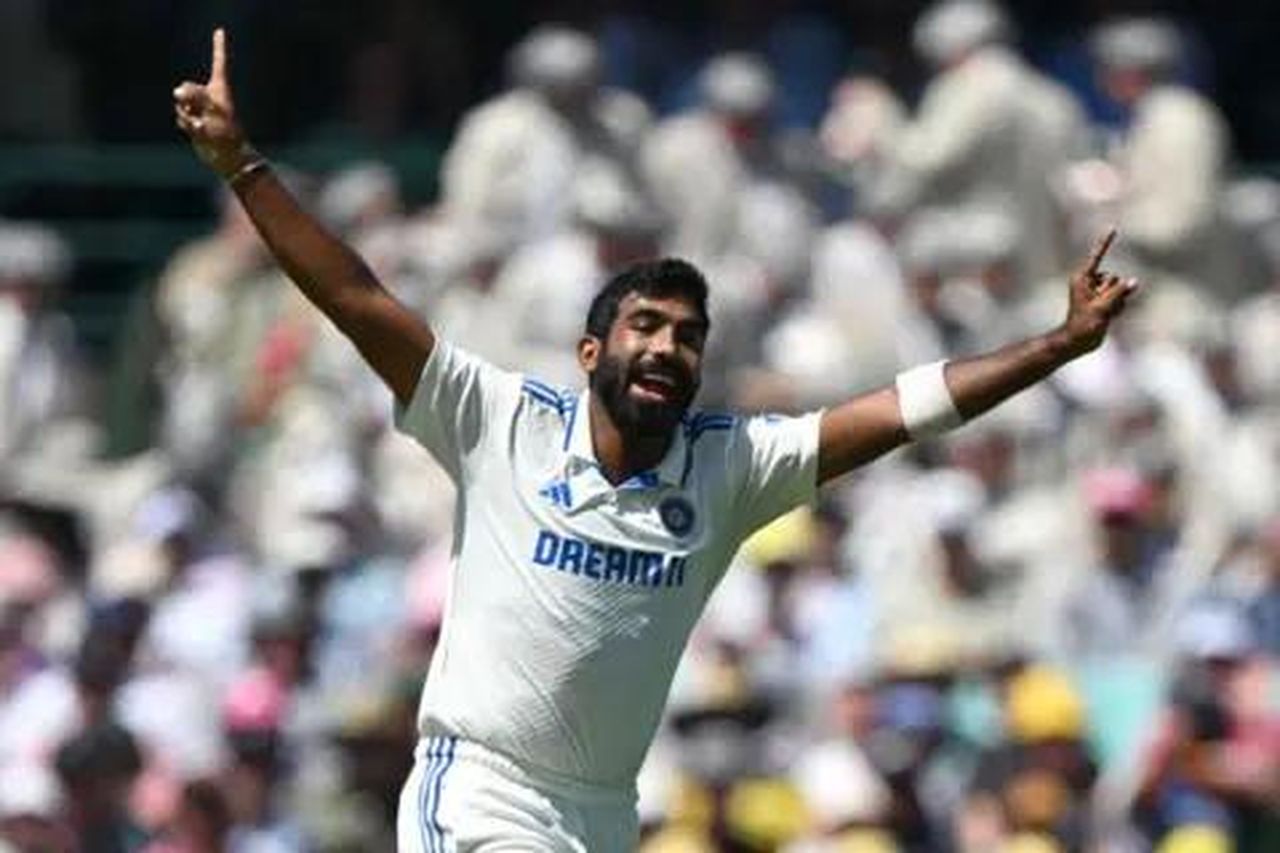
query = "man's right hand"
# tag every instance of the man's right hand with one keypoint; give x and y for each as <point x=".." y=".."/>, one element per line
<point x="207" y="114"/>
<point x="393" y="340"/>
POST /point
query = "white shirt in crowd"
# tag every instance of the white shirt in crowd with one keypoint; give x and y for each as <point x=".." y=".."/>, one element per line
<point x="1173" y="159"/>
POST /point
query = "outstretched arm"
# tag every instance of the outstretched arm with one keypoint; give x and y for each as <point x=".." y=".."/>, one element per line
<point x="391" y="338"/>
<point x="870" y="425"/>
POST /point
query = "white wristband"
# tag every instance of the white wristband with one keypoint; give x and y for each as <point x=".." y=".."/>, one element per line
<point x="925" y="401"/>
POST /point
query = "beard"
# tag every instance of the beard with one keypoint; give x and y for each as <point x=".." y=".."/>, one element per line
<point x="611" y="381"/>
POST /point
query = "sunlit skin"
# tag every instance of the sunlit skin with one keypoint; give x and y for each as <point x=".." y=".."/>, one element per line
<point x="1126" y="86"/>
<point x="643" y="378"/>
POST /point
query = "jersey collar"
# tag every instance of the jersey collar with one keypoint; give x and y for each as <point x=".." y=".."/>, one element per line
<point x="581" y="453"/>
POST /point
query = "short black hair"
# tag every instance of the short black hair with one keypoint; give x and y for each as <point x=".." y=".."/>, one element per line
<point x="662" y="278"/>
<point x="102" y="752"/>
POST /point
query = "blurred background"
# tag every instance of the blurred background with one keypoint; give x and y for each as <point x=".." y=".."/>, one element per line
<point x="222" y="575"/>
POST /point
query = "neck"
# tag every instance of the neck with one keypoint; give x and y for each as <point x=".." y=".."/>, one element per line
<point x="623" y="455"/>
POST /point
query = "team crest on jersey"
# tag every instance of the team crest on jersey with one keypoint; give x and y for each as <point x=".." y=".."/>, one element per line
<point x="677" y="515"/>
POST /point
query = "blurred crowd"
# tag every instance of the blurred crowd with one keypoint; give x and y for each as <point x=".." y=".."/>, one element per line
<point x="1057" y="629"/>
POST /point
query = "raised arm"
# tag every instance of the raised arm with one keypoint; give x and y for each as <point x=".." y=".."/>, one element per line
<point x="391" y="338"/>
<point x="932" y="398"/>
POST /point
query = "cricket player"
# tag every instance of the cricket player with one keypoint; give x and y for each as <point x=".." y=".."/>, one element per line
<point x="591" y="525"/>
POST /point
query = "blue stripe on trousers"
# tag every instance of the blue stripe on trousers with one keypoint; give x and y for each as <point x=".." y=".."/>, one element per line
<point x="424" y="788"/>
<point x="448" y="746"/>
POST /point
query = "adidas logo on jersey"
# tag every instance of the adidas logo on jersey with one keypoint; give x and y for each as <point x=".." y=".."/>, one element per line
<point x="557" y="491"/>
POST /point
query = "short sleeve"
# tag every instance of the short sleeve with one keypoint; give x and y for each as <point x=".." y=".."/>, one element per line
<point x="780" y="458"/>
<point x="459" y="402"/>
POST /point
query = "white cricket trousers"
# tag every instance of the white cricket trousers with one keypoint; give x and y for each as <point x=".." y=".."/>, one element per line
<point x="463" y="798"/>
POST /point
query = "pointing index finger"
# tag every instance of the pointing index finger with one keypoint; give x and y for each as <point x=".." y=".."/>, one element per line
<point x="218" y="73"/>
<point x="1099" y="251"/>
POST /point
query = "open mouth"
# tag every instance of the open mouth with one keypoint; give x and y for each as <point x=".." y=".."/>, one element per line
<point x="657" y="387"/>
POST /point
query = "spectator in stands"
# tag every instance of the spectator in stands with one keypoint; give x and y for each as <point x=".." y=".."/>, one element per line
<point x="210" y="305"/>
<point x="849" y="801"/>
<point x="1255" y="323"/>
<point x="1121" y="605"/>
<point x="931" y="248"/>
<point x="200" y="588"/>
<point x="360" y="198"/>
<point x="923" y="765"/>
<point x="1215" y="758"/>
<point x="1040" y="777"/>
<point x="1173" y="155"/>
<point x="730" y="142"/>
<point x="855" y="303"/>
<point x="990" y="132"/>
<point x="254" y="782"/>
<point x="58" y="701"/>
<point x="515" y="158"/>
<point x="40" y="381"/>
<point x="1264" y="603"/>
<point x="202" y="824"/>
<point x="97" y="767"/>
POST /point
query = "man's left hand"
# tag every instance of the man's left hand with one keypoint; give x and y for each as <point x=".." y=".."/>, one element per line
<point x="1097" y="298"/>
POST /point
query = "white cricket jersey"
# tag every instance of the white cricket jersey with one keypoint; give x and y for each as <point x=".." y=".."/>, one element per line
<point x="571" y="599"/>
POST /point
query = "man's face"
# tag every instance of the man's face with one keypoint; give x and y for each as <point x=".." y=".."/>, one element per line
<point x="647" y="372"/>
<point x="1122" y="542"/>
<point x="1125" y="86"/>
